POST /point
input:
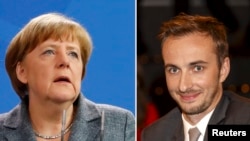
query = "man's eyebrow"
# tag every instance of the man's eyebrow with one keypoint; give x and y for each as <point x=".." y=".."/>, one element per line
<point x="170" y="66"/>
<point x="197" y="62"/>
<point x="190" y="64"/>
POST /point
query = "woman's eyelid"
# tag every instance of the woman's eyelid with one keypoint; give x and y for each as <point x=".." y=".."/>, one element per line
<point x="74" y="52"/>
<point x="46" y="48"/>
<point x="49" y="51"/>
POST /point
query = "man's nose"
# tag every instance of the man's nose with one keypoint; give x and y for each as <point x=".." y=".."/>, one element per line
<point x="185" y="82"/>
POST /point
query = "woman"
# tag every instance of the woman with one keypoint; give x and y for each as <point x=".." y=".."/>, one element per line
<point x="46" y="62"/>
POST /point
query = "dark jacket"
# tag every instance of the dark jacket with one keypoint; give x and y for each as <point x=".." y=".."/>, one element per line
<point x="232" y="109"/>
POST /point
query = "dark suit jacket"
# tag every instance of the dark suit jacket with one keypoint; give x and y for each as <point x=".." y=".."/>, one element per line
<point x="119" y="124"/>
<point x="232" y="109"/>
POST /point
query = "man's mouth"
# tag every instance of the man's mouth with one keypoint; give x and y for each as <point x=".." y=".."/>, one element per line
<point x="189" y="97"/>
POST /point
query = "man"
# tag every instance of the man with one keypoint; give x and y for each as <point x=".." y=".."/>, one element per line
<point x="196" y="62"/>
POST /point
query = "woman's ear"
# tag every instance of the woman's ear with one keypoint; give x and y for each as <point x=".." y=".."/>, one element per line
<point x="225" y="69"/>
<point x="21" y="73"/>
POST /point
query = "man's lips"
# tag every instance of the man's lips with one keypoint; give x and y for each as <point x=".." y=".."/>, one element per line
<point x="189" y="97"/>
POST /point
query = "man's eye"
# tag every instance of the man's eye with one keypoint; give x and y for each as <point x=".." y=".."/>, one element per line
<point x="198" y="68"/>
<point x="173" y="70"/>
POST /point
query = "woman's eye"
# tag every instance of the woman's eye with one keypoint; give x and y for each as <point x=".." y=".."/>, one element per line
<point x="73" y="54"/>
<point x="49" y="52"/>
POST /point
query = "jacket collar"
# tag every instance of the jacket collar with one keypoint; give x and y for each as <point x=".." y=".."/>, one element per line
<point x="219" y="114"/>
<point x="220" y="111"/>
<point x="86" y="124"/>
<point x="217" y="118"/>
<point x="17" y="122"/>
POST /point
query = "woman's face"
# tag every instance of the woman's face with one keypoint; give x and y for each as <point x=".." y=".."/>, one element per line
<point x="52" y="71"/>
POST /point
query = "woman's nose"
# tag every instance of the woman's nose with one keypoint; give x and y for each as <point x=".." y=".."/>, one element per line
<point x="63" y="60"/>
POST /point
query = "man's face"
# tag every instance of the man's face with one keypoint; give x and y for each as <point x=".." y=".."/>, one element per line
<point x="193" y="77"/>
<point x="52" y="71"/>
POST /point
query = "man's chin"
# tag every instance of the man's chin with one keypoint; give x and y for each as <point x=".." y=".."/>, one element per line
<point x="193" y="110"/>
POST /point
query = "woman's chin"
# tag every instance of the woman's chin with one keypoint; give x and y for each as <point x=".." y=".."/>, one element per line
<point x="63" y="98"/>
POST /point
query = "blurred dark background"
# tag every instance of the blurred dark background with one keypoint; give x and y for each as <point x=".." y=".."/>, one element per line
<point x="153" y="100"/>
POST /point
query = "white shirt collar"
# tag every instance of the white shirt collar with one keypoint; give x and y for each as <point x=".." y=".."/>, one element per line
<point x="201" y="125"/>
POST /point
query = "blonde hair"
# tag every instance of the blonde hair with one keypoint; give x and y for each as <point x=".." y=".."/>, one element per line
<point x="47" y="26"/>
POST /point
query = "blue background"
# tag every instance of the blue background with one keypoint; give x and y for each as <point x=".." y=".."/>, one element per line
<point x="110" y="76"/>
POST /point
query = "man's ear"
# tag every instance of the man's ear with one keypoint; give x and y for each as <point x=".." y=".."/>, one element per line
<point x="21" y="73"/>
<point x="225" y="69"/>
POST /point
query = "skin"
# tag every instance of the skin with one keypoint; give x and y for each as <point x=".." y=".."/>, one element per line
<point x="193" y="77"/>
<point x="44" y="70"/>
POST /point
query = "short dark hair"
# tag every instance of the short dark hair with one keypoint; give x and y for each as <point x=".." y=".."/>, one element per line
<point x="184" y="24"/>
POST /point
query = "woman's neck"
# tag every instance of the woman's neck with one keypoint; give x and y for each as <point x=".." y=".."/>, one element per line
<point x="46" y="118"/>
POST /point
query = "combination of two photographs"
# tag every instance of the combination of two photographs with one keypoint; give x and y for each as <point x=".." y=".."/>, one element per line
<point x="145" y="70"/>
